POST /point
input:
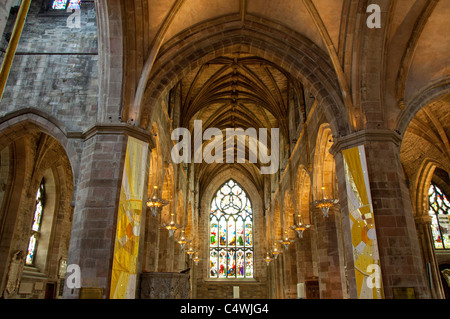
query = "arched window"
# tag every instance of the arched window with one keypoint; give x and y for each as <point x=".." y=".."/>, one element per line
<point x="66" y="4"/>
<point x="439" y="208"/>
<point x="231" y="231"/>
<point x="36" y="226"/>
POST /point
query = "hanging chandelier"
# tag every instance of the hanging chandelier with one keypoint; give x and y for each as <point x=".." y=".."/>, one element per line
<point x="286" y="241"/>
<point x="171" y="227"/>
<point x="299" y="228"/>
<point x="275" y="251"/>
<point x="325" y="203"/>
<point x="267" y="259"/>
<point x="196" y="259"/>
<point x="190" y="252"/>
<point x="155" y="203"/>
<point x="182" y="241"/>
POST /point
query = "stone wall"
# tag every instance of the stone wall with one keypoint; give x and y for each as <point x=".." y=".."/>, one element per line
<point x="55" y="68"/>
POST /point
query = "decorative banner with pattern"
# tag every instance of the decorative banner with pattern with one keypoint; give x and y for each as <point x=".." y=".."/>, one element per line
<point x="123" y="279"/>
<point x="362" y="225"/>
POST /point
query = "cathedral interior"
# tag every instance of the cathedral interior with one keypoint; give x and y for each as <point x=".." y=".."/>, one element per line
<point x="218" y="149"/>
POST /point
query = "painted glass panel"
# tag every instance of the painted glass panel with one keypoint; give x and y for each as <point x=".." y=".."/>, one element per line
<point x="231" y="227"/>
<point x="222" y="264"/>
<point x="36" y="226"/>
<point x="231" y="232"/>
<point x="231" y="259"/>
<point x="440" y="225"/>
<point x="213" y="263"/>
<point x="31" y="250"/>
<point x="63" y="4"/>
<point x="240" y="232"/>
<point x="214" y="232"/>
<point x="248" y="234"/>
<point x="249" y="264"/>
<point x="74" y="4"/>
<point x="59" y="4"/>
<point x="240" y="263"/>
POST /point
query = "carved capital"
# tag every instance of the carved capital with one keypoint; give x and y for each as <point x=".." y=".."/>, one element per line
<point x="363" y="137"/>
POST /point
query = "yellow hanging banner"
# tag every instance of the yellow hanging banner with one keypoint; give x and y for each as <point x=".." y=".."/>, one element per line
<point x="123" y="279"/>
<point x="362" y="225"/>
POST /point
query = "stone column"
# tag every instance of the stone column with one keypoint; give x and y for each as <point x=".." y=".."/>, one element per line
<point x="305" y="262"/>
<point x="423" y="225"/>
<point x="329" y="265"/>
<point x="400" y="258"/>
<point x="96" y="205"/>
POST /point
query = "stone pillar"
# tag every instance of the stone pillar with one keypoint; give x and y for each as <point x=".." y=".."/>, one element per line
<point x="329" y="265"/>
<point x="423" y="225"/>
<point x="400" y="259"/>
<point x="305" y="262"/>
<point x="290" y="271"/>
<point x="96" y="206"/>
<point x="166" y="251"/>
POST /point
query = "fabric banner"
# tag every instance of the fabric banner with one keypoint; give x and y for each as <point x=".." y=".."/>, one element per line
<point x="362" y="225"/>
<point x="123" y="279"/>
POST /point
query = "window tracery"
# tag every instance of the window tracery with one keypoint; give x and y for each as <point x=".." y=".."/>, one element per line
<point x="231" y="233"/>
<point x="439" y="207"/>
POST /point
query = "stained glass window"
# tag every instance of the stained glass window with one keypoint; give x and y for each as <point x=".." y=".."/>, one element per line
<point x="440" y="226"/>
<point x="36" y="226"/>
<point x="66" y="4"/>
<point x="231" y="233"/>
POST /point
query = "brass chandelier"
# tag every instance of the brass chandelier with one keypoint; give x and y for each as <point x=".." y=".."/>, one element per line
<point x="300" y="227"/>
<point x="155" y="203"/>
<point x="325" y="203"/>
<point x="171" y="226"/>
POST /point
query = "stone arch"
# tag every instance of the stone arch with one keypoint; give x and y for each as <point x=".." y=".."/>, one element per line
<point x="204" y="42"/>
<point x="17" y="124"/>
<point x="324" y="184"/>
<point x="152" y="223"/>
<point x="307" y="260"/>
<point x="190" y="229"/>
<point x="276" y="224"/>
<point x="156" y="161"/>
<point x="206" y="198"/>
<point x="424" y="153"/>
<point x="427" y="129"/>
<point x="166" y="243"/>
<point x="33" y="156"/>
<point x="180" y="217"/>
<point x="179" y="260"/>
<point x="434" y="93"/>
<point x="168" y="194"/>
<point x="289" y="255"/>
<point x="422" y="184"/>
<point x="303" y="193"/>
<point x="288" y="215"/>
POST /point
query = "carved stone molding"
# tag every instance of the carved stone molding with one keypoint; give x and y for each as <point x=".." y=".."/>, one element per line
<point x="424" y="219"/>
<point x="15" y="272"/>
<point x="164" y="285"/>
<point x="117" y="128"/>
<point x="363" y="137"/>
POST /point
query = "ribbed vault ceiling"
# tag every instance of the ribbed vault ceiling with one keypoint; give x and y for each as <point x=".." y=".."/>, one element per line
<point x="237" y="91"/>
<point x="245" y="90"/>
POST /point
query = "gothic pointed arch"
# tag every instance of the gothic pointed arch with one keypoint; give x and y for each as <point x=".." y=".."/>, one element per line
<point x="303" y="193"/>
<point x="324" y="185"/>
<point x="231" y="252"/>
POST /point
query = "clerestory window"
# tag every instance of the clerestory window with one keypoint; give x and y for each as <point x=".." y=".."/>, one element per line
<point x="66" y="4"/>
